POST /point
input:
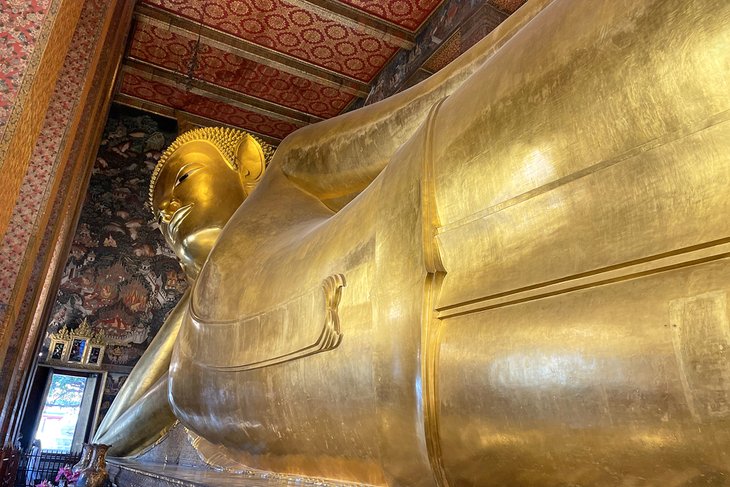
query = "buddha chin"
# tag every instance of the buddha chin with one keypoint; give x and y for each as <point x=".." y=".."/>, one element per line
<point x="198" y="245"/>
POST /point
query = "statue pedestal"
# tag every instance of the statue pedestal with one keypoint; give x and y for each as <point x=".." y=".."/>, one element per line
<point x="173" y="462"/>
<point x="130" y="473"/>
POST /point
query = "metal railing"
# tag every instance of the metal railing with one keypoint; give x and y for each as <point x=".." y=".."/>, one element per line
<point x="37" y="465"/>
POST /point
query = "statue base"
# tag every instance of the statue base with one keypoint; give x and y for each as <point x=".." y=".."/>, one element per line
<point x="133" y="473"/>
<point x="174" y="462"/>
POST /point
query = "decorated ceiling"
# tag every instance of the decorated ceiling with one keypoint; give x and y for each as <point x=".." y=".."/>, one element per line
<point x="267" y="66"/>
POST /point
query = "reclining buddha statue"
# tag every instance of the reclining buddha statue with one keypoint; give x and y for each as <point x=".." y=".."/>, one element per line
<point x="226" y="165"/>
<point x="513" y="273"/>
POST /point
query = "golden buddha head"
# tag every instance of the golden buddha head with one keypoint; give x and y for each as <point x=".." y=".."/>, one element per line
<point x="197" y="185"/>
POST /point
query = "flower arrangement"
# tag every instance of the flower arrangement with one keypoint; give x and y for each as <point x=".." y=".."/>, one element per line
<point x="65" y="473"/>
<point x="64" y="476"/>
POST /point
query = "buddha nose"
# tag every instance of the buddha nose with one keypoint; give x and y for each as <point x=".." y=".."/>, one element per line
<point x="168" y="209"/>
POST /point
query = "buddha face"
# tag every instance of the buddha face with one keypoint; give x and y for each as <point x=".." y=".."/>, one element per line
<point x="195" y="195"/>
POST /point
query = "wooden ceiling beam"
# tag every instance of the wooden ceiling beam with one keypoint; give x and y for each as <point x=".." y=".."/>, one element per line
<point x="169" y="112"/>
<point x="248" y="50"/>
<point x="358" y="20"/>
<point x="220" y="93"/>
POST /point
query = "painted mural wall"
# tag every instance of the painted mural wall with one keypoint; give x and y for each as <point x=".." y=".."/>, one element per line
<point x="120" y="275"/>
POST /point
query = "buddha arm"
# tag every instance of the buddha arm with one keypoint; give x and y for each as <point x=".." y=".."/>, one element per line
<point x="336" y="159"/>
<point x="151" y="367"/>
<point x="142" y="424"/>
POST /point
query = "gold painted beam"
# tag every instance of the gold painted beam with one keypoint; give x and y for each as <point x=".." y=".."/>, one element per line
<point x="358" y="20"/>
<point x="248" y="50"/>
<point x="220" y="93"/>
<point x="174" y="113"/>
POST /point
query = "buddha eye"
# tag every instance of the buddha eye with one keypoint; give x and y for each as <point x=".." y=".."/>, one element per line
<point x="186" y="172"/>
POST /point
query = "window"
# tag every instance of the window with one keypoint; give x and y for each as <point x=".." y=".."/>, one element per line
<point x="69" y="398"/>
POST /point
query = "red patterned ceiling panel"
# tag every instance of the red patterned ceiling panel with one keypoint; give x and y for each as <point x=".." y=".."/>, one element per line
<point x="174" y="97"/>
<point x="409" y="14"/>
<point x="161" y="47"/>
<point x="237" y="73"/>
<point x="291" y="30"/>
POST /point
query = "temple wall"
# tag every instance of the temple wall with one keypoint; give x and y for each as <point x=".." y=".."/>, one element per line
<point x="120" y="275"/>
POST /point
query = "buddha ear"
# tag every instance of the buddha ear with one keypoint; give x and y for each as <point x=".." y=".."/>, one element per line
<point x="251" y="161"/>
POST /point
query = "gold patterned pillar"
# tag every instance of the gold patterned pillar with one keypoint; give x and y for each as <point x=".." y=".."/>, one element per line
<point x="38" y="36"/>
<point x="52" y="116"/>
